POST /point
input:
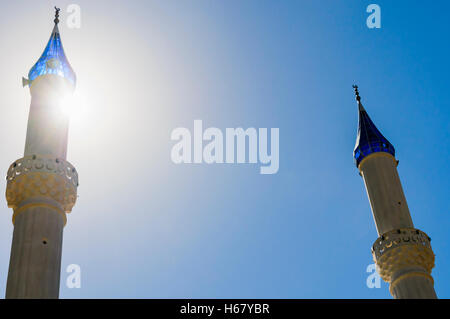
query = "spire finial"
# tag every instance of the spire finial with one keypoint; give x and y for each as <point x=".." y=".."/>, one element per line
<point x="56" y="15"/>
<point x="358" y="98"/>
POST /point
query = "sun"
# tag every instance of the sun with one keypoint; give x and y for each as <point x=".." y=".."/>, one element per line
<point x="74" y="105"/>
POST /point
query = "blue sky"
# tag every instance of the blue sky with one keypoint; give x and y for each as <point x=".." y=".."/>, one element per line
<point x="144" y="227"/>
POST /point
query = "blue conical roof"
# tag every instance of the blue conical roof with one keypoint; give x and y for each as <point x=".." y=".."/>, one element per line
<point x="53" y="60"/>
<point x="369" y="139"/>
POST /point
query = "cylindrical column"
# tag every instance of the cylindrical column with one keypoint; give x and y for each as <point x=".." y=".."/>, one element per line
<point x="35" y="263"/>
<point x="48" y="126"/>
<point x="416" y="285"/>
<point x="384" y="189"/>
<point x="403" y="254"/>
<point x="40" y="190"/>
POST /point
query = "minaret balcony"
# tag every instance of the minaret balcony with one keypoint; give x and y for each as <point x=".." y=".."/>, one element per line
<point x="400" y="251"/>
<point x="41" y="180"/>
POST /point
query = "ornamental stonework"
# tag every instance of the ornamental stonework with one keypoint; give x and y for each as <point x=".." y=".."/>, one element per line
<point x="402" y="248"/>
<point x="38" y="176"/>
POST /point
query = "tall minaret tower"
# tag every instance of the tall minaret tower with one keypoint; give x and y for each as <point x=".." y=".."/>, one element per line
<point x="42" y="186"/>
<point x="402" y="253"/>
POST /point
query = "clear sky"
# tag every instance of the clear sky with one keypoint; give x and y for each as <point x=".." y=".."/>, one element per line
<point x="144" y="227"/>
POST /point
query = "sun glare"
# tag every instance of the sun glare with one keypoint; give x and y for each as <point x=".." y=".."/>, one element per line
<point x="74" y="105"/>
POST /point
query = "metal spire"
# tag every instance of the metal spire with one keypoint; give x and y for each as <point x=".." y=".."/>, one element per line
<point x="369" y="139"/>
<point x="53" y="60"/>
<point x="358" y="98"/>
<point x="56" y="15"/>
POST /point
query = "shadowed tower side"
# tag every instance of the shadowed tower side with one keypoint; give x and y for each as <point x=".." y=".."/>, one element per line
<point x="403" y="254"/>
<point x="42" y="186"/>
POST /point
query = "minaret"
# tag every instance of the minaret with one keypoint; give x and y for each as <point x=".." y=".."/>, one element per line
<point x="42" y="186"/>
<point x="402" y="253"/>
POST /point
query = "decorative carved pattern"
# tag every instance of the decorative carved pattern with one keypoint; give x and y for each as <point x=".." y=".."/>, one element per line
<point x="39" y="176"/>
<point x="402" y="248"/>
